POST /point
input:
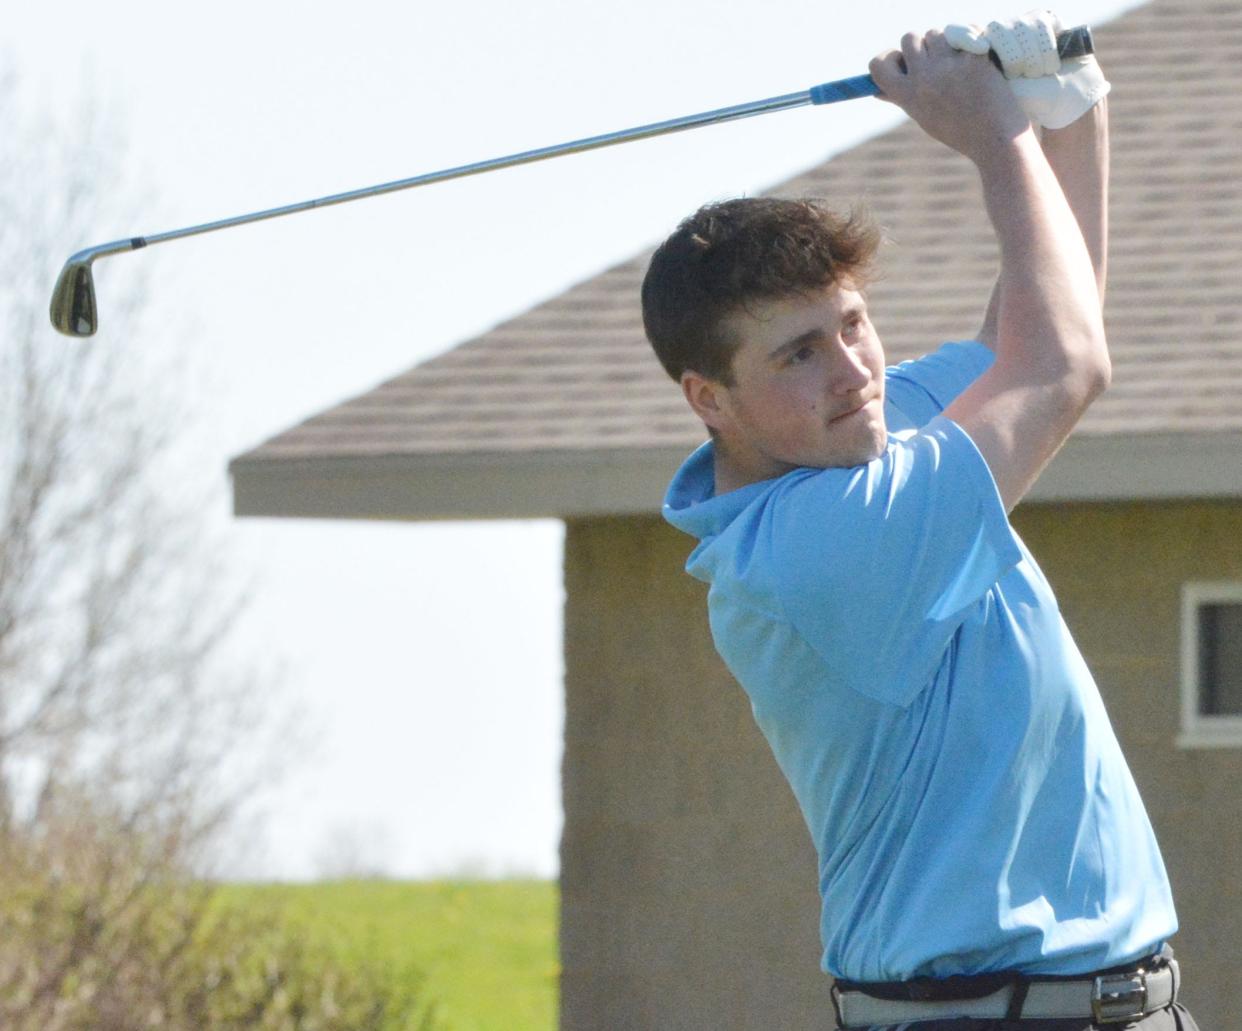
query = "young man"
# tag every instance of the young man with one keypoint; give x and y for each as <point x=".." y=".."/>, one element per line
<point x="983" y="851"/>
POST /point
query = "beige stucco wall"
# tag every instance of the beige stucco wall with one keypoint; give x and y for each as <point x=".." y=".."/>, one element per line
<point x="688" y="882"/>
<point x="688" y="887"/>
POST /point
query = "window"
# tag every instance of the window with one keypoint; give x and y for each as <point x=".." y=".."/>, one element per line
<point x="1211" y="665"/>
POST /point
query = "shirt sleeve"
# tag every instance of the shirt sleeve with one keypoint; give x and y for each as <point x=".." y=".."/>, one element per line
<point x="877" y="566"/>
<point x="917" y="391"/>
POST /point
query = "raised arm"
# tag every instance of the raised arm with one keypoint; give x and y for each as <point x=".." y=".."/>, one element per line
<point x="1051" y="353"/>
<point x="1079" y="157"/>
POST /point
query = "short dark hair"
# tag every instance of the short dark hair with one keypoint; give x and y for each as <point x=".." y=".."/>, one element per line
<point x="733" y="252"/>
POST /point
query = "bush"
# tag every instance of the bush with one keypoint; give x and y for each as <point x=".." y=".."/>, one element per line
<point x="101" y="931"/>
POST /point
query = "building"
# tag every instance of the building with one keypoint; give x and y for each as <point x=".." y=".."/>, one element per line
<point x="688" y="883"/>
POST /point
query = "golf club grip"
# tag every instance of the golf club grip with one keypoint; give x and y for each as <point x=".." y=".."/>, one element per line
<point x="1071" y="43"/>
<point x="1075" y="42"/>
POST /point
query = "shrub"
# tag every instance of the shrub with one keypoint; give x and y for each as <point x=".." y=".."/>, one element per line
<point x="101" y="930"/>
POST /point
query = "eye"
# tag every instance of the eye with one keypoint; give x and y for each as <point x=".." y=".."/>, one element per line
<point x="802" y="354"/>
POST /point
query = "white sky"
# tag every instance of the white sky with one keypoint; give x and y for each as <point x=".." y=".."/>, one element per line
<point x="426" y="658"/>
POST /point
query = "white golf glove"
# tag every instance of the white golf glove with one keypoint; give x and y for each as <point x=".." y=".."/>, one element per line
<point x="1053" y="93"/>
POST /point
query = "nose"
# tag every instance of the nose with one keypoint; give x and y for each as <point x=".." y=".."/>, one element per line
<point x="850" y="371"/>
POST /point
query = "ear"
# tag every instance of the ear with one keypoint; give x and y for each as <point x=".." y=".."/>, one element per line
<point x="708" y="398"/>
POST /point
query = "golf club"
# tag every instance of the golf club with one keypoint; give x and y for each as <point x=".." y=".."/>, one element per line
<point x="73" y="308"/>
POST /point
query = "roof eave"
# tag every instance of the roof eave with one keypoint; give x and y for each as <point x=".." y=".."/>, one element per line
<point x="1144" y="467"/>
<point x="472" y="485"/>
<point x="576" y="483"/>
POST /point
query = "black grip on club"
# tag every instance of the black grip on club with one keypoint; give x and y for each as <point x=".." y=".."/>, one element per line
<point x="1075" y="42"/>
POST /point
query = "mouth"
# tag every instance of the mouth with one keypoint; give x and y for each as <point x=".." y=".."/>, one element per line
<point x="853" y="411"/>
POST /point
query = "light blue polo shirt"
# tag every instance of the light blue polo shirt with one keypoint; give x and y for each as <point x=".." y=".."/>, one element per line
<point x="908" y="664"/>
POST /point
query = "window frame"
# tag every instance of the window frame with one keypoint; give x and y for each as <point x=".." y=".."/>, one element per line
<point x="1200" y="730"/>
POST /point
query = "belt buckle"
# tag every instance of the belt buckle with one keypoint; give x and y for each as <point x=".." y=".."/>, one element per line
<point x="1119" y="997"/>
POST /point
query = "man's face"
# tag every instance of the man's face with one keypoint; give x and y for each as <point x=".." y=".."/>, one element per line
<point x="808" y="386"/>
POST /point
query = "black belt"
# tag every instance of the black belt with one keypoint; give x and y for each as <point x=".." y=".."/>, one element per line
<point x="1116" y="995"/>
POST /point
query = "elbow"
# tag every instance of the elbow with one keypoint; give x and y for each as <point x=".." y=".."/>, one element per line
<point x="1103" y="365"/>
<point x="1092" y="374"/>
<point x="1102" y="376"/>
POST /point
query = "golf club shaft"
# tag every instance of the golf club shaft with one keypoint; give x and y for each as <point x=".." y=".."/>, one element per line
<point x="73" y="302"/>
<point x="845" y="89"/>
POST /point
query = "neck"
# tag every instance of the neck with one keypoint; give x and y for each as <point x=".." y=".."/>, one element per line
<point x="733" y="471"/>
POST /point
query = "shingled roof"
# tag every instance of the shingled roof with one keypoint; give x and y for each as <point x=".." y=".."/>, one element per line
<point x="563" y="410"/>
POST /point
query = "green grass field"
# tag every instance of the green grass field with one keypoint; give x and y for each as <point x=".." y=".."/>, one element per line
<point x="487" y="949"/>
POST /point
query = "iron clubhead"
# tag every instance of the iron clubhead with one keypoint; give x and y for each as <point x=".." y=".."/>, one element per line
<point x="73" y="301"/>
<point x="73" y="308"/>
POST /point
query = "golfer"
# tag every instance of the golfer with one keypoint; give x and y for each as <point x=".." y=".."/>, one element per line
<point x="985" y="860"/>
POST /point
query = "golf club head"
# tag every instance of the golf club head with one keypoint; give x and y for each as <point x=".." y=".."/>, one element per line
<point x="73" y="301"/>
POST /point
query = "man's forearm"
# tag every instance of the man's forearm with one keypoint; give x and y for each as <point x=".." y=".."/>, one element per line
<point x="1046" y="291"/>
<point x="1079" y="157"/>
